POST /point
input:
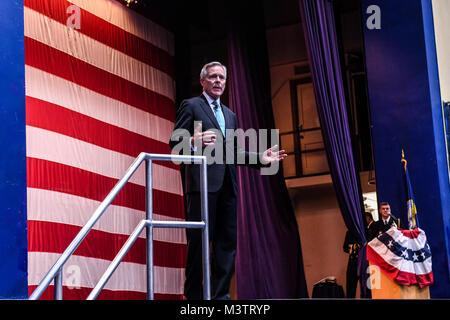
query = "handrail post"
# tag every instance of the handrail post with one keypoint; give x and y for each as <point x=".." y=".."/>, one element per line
<point x="58" y="288"/>
<point x="149" y="229"/>
<point x="205" y="237"/>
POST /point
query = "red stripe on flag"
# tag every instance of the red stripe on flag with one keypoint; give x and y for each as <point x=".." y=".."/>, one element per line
<point x="58" y="63"/>
<point x="101" y="244"/>
<point x="48" y="175"/>
<point x="82" y="293"/>
<point x="49" y="116"/>
<point x="108" y="34"/>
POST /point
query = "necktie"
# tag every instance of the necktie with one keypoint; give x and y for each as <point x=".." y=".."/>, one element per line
<point x="219" y="116"/>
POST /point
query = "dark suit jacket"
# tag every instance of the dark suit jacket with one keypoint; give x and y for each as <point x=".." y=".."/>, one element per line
<point x="371" y="231"/>
<point x="351" y="240"/>
<point x="198" y="109"/>
<point x="380" y="227"/>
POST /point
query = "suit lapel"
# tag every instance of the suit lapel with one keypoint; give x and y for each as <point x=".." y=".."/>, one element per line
<point x="226" y="115"/>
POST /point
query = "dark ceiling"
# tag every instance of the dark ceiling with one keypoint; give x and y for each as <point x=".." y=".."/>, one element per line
<point x="201" y="26"/>
<point x="207" y="19"/>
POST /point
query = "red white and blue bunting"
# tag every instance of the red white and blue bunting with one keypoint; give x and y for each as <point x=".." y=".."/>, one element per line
<point x="402" y="255"/>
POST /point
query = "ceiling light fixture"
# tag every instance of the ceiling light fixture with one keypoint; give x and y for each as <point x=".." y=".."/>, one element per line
<point x="129" y="2"/>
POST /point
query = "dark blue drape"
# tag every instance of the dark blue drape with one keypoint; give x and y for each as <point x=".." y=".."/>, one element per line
<point x="269" y="261"/>
<point x="321" y="41"/>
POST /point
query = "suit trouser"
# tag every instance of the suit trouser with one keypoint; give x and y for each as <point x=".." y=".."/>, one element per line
<point x="222" y="234"/>
<point x="352" y="277"/>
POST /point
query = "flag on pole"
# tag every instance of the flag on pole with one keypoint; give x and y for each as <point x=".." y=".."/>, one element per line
<point x="413" y="221"/>
<point x="404" y="256"/>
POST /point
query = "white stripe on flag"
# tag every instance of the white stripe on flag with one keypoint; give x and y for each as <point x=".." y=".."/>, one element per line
<point x="56" y="35"/>
<point x="47" y="87"/>
<point x="424" y="267"/>
<point x="57" y="207"/>
<point x="51" y="146"/>
<point x="398" y="262"/>
<point x="413" y="244"/>
<point x="128" y="276"/>
<point x="129" y="21"/>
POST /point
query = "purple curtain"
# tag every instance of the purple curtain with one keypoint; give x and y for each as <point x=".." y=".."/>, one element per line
<point x="269" y="261"/>
<point x="321" y="41"/>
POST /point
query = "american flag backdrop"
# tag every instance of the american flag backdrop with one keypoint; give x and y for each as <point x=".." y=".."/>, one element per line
<point x="96" y="97"/>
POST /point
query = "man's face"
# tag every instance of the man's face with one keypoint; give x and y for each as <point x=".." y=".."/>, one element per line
<point x="385" y="210"/>
<point x="214" y="83"/>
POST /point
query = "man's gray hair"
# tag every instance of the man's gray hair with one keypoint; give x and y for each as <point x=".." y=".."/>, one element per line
<point x="204" y="71"/>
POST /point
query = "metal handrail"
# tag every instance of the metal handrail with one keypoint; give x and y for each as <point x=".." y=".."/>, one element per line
<point x="55" y="272"/>
<point x="129" y="243"/>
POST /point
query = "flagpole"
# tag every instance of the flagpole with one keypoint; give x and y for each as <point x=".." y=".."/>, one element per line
<point x="411" y="206"/>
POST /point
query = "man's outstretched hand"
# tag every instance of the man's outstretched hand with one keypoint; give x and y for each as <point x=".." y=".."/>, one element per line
<point x="270" y="155"/>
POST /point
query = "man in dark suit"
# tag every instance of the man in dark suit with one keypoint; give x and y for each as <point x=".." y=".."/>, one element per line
<point x="370" y="229"/>
<point x="207" y="125"/>
<point x="351" y="246"/>
<point x="386" y="219"/>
